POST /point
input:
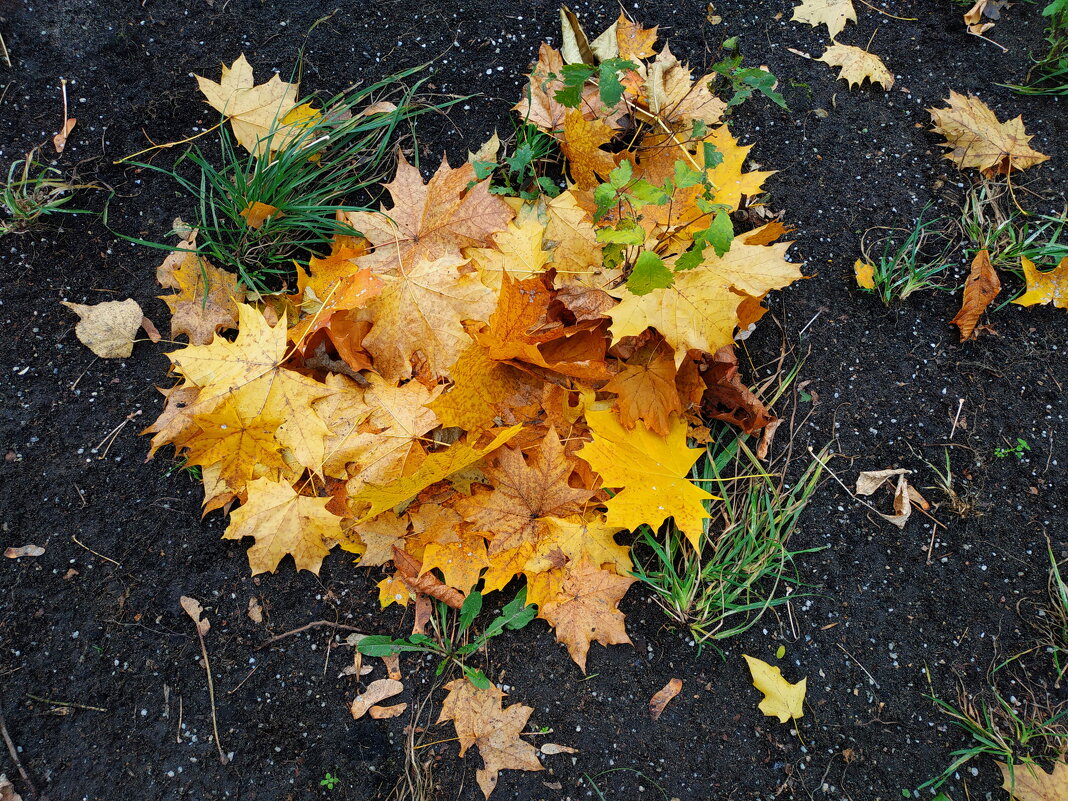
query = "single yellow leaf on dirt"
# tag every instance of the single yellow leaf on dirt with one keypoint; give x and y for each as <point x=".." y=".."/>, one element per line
<point x="1031" y="783"/>
<point x="865" y="274"/>
<point x="255" y="112"/>
<point x="586" y="610"/>
<point x="108" y="328"/>
<point x="857" y="64"/>
<point x="977" y="139"/>
<point x="980" y="290"/>
<point x="782" y="700"/>
<point x="651" y="472"/>
<point x="832" y="13"/>
<point x="480" y="719"/>
<point x="258" y="212"/>
<point x="662" y="697"/>
<point x="1050" y="286"/>
<point x="429" y="221"/>
<point x="582" y="146"/>
<point x="436" y="467"/>
<point x="283" y="522"/>
<point x="376" y="691"/>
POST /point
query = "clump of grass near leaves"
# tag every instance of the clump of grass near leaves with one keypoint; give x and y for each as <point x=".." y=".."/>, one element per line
<point x="1049" y="73"/>
<point x="33" y="192"/>
<point x="726" y="586"/>
<point x="336" y="160"/>
<point x="907" y="261"/>
<point x="1025" y="733"/>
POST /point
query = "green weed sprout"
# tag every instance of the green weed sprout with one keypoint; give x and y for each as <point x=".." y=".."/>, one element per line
<point x="910" y="263"/>
<point x="1016" y="450"/>
<point x="34" y="191"/>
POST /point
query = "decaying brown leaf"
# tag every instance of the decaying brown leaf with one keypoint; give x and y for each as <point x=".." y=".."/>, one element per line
<point x="23" y="550"/>
<point x="376" y="691"/>
<point x="905" y="495"/>
<point x="662" y="697"/>
<point x="386" y="712"/>
<point x="977" y="139"/>
<point x="1030" y="783"/>
<point x="980" y="290"/>
<point x="982" y="16"/>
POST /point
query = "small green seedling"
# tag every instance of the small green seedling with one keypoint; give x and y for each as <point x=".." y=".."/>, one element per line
<point x="32" y="192"/>
<point x="515" y="615"/>
<point x="741" y="82"/>
<point x="329" y="781"/>
<point x="909" y="260"/>
<point x="1016" y="450"/>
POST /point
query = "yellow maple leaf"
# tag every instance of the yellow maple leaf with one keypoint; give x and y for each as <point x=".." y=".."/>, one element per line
<point x="651" y="472"/>
<point x="977" y="139"/>
<point x="832" y="13"/>
<point x="581" y="145"/>
<point x="1044" y="287"/>
<point x="857" y="64"/>
<point x="571" y="240"/>
<point x="484" y="389"/>
<point x="241" y="446"/>
<point x="586" y="610"/>
<point x="460" y="560"/>
<point x="434" y="468"/>
<point x="782" y="700"/>
<point x="517" y="251"/>
<point x="255" y="112"/>
<point x="283" y="522"/>
<point x="576" y="538"/>
<point x="634" y="41"/>
<point x="206" y="298"/>
<point x="699" y="311"/>
<point x="1028" y="782"/>
<point x="481" y="720"/>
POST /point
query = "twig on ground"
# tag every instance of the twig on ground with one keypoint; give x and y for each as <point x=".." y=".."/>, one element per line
<point x="873" y="681"/>
<point x="193" y="608"/>
<point x="956" y="419"/>
<point x="11" y="749"/>
<point x="71" y="704"/>
<point x="249" y="676"/>
<point x="94" y="553"/>
<point x="305" y="627"/>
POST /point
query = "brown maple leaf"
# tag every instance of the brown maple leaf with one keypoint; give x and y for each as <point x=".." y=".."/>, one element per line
<point x="586" y="610"/>
<point x="430" y="221"/>
<point x="481" y="719"/>
<point x="645" y="387"/>
<point x="525" y="491"/>
<point x="980" y="290"/>
<point x="977" y="139"/>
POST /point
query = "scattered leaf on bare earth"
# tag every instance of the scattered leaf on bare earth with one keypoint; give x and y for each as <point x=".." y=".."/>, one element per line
<point x="7" y="790"/>
<point x="23" y="550"/>
<point x="832" y="13"/>
<point x="982" y="16"/>
<point x="976" y="138"/>
<point x="1044" y="287"/>
<point x="865" y="274"/>
<point x="662" y="697"/>
<point x="481" y="719"/>
<point x="108" y="329"/>
<point x="1029" y="782"/>
<point x="376" y="691"/>
<point x="782" y="699"/>
<point x="387" y="712"/>
<point x="980" y="290"/>
<point x="857" y="64"/>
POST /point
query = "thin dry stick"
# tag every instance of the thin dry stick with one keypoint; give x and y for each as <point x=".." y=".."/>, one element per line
<point x="11" y="749"/>
<point x="956" y="419"/>
<point x="94" y="553"/>
<point x="71" y="704"/>
<point x="305" y="627"/>
<point x="4" y="53"/>
<point x="193" y="608"/>
<point x="873" y="681"/>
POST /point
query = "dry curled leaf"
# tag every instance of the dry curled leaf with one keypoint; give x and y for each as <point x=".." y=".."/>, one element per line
<point x="981" y="17"/>
<point x="980" y="290"/>
<point x="376" y="691"/>
<point x="7" y="790"/>
<point x="386" y="712"/>
<point x="1028" y="782"/>
<point x="255" y="611"/>
<point x="662" y="697"/>
<point x="23" y="550"/>
<point x="551" y="749"/>
<point x="108" y="329"/>
<point x="195" y="611"/>
<point x="864" y="273"/>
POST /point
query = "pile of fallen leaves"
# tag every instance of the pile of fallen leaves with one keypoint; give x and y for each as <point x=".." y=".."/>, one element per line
<point x="481" y="387"/>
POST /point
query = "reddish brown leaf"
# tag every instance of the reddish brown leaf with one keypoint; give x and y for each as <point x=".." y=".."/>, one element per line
<point x="980" y="290"/>
<point x="662" y="697"/>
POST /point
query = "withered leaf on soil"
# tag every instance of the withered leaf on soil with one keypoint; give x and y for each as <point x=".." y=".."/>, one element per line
<point x="378" y="690"/>
<point x="976" y="138"/>
<point x="832" y="13"/>
<point x="108" y="329"/>
<point x="980" y="290"/>
<point x="782" y="699"/>
<point x="857" y="64"/>
<point x="1028" y="782"/>
<point x="662" y="697"/>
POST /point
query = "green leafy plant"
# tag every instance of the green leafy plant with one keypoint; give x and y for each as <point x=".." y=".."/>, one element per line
<point x="739" y="83"/>
<point x="1049" y="73"/>
<point x="521" y="174"/>
<point x="1018" y="450"/>
<point x="446" y="642"/>
<point x="34" y="191"/>
<point x="337" y="158"/>
<point x="329" y="781"/>
<point x="726" y="586"/>
<point x="906" y="261"/>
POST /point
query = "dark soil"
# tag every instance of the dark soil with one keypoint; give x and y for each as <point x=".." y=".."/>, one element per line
<point x="96" y="621"/>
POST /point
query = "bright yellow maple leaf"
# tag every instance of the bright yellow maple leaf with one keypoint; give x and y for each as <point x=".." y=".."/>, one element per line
<point x="254" y="112"/>
<point x="782" y="699"/>
<point x="1044" y="287"/>
<point x="242" y="446"/>
<point x="581" y="145"/>
<point x="283" y="522"/>
<point x="206" y="298"/>
<point x="517" y="251"/>
<point x="650" y="471"/>
<point x="460" y="560"/>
